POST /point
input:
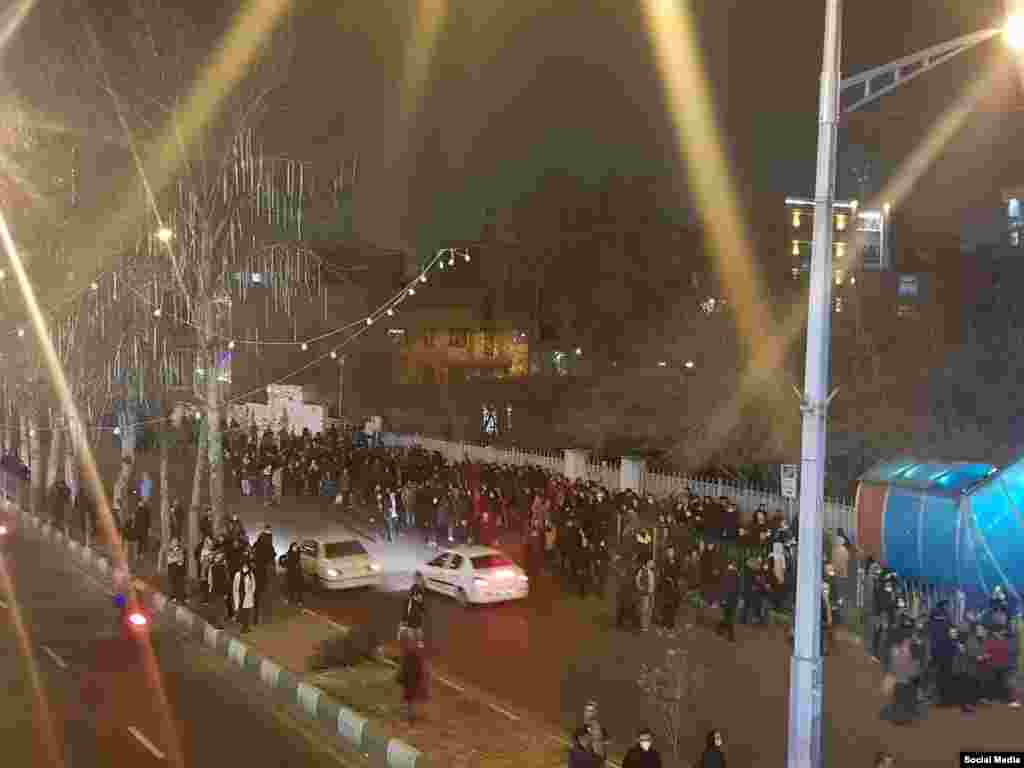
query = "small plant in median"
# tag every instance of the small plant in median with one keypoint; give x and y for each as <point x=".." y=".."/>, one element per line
<point x="346" y="649"/>
<point x="672" y="689"/>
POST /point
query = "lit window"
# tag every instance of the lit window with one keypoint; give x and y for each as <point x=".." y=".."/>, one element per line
<point x="838" y="304"/>
<point x="796" y="219"/>
<point x="795" y="271"/>
<point x="840" y="276"/>
<point x="841" y="221"/>
<point x="841" y="250"/>
<point x="1015" y="238"/>
<point x="796" y="247"/>
<point x="458" y="337"/>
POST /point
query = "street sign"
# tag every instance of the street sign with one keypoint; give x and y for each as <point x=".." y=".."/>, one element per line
<point x="789" y="480"/>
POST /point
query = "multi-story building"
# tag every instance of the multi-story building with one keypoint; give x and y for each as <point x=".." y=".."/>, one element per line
<point x="861" y="238"/>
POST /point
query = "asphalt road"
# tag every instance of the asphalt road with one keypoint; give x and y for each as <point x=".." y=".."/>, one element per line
<point x="547" y="655"/>
<point x="109" y="702"/>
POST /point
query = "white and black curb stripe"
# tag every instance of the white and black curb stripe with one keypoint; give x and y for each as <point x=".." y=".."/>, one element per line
<point x="351" y="729"/>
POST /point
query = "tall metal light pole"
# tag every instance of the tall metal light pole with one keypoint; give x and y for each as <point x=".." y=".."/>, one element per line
<point x="805" y="682"/>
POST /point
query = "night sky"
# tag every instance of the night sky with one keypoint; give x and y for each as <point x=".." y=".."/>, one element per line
<point x="505" y="74"/>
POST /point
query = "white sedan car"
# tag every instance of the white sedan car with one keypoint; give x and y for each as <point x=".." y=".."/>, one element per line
<point x="339" y="564"/>
<point x="474" y="575"/>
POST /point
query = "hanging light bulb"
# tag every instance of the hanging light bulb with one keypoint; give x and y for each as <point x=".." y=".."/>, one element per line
<point x="21" y="333"/>
<point x="391" y="312"/>
<point x="442" y="264"/>
<point x="451" y="261"/>
<point x="334" y="355"/>
<point x="466" y="256"/>
<point x="305" y="347"/>
<point x="95" y="286"/>
<point x="157" y="312"/>
<point x="412" y="291"/>
<point x="231" y="344"/>
<point x="423" y="277"/>
<point x="369" y="321"/>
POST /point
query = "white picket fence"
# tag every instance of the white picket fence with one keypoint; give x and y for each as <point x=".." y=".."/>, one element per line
<point x="839" y="513"/>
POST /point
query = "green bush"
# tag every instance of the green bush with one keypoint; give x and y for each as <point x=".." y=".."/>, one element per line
<point x="346" y="649"/>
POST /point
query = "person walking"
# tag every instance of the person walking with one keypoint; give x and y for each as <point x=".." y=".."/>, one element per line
<point x="414" y="615"/>
<point x="642" y="754"/>
<point x="729" y="589"/>
<point x="598" y="735"/>
<point x="176" y="569"/>
<point x="264" y="559"/>
<point x="243" y="595"/>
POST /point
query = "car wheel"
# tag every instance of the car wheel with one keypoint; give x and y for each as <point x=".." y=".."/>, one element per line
<point x="462" y="598"/>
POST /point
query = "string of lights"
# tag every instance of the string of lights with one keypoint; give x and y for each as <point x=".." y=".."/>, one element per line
<point x="446" y="256"/>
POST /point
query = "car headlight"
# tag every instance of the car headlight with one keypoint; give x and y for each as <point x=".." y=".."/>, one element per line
<point x="331" y="573"/>
<point x="374" y="567"/>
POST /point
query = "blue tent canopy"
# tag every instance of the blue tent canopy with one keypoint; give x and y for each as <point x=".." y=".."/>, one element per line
<point x="953" y="524"/>
<point x="941" y="477"/>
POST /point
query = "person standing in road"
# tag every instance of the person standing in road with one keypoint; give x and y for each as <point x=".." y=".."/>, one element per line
<point x="669" y="588"/>
<point x="644" y="581"/>
<point x="729" y="589"/>
<point x="176" y="569"/>
<point x="293" y="571"/>
<point x="413" y="677"/>
<point x="414" y="615"/>
<point x="642" y="754"/>
<point x="264" y="567"/>
<point x="243" y="595"/>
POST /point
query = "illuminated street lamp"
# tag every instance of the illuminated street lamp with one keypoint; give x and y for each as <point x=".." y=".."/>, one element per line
<point x="806" y="673"/>
<point x="164" y="235"/>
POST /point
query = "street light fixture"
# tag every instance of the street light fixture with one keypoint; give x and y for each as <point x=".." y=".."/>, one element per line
<point x="806" y="674"/>
<point x="1013" y="33"/>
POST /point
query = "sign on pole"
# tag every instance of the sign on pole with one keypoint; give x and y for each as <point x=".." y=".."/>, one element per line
<point x="789" y="480"/>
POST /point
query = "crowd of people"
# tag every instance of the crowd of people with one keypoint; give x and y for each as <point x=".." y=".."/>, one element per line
<point x="648" y="555"/>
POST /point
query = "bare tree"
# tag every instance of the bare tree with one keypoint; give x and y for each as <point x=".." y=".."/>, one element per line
<point x="672" y="690"/>
<point x="220" y="208"/>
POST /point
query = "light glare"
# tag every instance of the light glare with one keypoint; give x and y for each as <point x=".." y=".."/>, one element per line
<point x="1014" y="32"/>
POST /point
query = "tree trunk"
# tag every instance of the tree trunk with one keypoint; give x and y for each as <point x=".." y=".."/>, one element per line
<point x="56" y="443"/>
<point x="35" y="453"/>
<point x="215" y="435"/>
<point x="167" y="436"/>
<point x="202" y="457"/>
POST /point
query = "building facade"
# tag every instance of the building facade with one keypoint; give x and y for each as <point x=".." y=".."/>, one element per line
<point x="860" y="238"/>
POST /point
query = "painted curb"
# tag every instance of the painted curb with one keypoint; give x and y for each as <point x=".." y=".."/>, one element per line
<point x="348" y="727"/>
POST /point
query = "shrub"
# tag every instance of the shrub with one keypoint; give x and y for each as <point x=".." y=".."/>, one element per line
<point x="346" y="649"/>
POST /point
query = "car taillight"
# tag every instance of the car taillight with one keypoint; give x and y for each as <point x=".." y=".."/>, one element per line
<point x="3" y="530"/>
<point x="137" y="619"/>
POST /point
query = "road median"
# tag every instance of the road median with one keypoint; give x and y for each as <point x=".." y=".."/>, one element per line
<point x="359" y="705"/>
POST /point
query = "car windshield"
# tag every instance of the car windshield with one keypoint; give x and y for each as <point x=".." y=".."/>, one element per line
<point x="343" y="549"/>
<point x="482" y="562"/>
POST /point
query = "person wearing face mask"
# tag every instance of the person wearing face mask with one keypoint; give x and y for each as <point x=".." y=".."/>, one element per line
<point x="713" y="756"/>
<point x="243" y="594"/>
<point x="642" y="754"/>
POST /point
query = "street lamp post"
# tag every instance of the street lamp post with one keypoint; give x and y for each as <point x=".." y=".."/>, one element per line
<point x="806" y="683"/>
